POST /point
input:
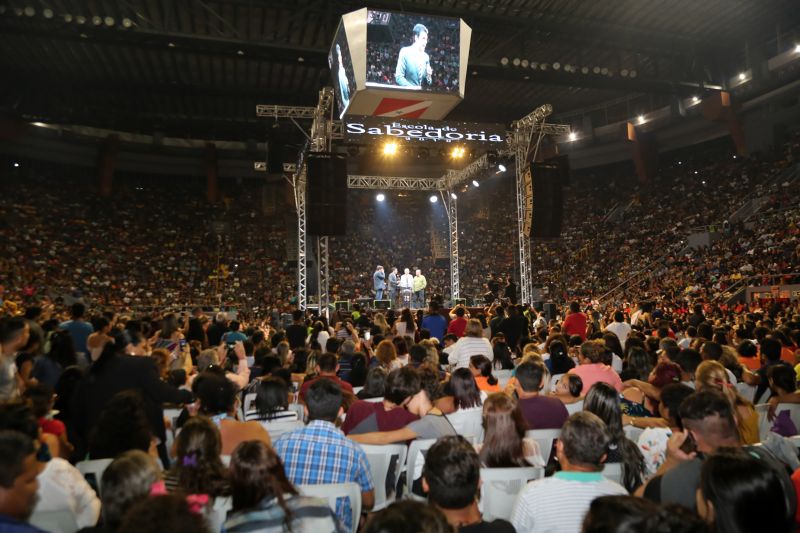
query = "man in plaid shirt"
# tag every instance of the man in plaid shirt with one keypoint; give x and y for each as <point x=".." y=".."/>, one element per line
<point x="320" y="453"/>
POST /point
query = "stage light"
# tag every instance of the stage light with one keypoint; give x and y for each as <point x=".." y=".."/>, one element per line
<point x="127" y="23"/>
<point x="380" y="197"/>
<point x="734" y="156"/>
<point x="80" y="19"/>
<point x="584" y="70"/>
<point x="797" y="49"/>
<point x="525" y="63"/>
<point x="38" y="124"/>
<point x="475" y="183"/>
<point x="534" y="65"/>
<point x="30" y="11"/>
<point x="96" y="20"/>
<point x="623" y="73"/>
<point x="526" y="77"/>
<point x="453" y="195"/>
<point x="543" y="66"/>
<point x="457" y="152"/>
<point x="604" y="71"/>
<point x="171" y="45"/>
<point x="516" y="61"/>
<point x="501" y="167"/>
<point x="109" y="21"/>
<point x="48" y="13"/>
<point x="596" y="70"/>
<point x="695" y="99"/>
<point x="67" y="17"/>
<point x="16" y="165"/>
<point x="556" y="65"/>
<point x="742" y="76"/>
<point x="240" y="52"/>
<point x="433" y="198"/>
<point x="573" y="136"/>
<point x="301" y="59"/>
<point x="633" y="74"/>
<point x="504" y="61"/>
<point x="390" y="148"/>
<point x="695" y="172"/>
<point x="641" y="119"/>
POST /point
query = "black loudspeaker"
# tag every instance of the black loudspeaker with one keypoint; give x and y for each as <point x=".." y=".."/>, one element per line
<point x="342" y="305"/>
<point x="326" y="205"/>
<point x="548" y="200"/>
<point x="276" y="153"/>
<point x="538" y="305"/>
<point x="383" y="305"/>
<point x="550" y="311"/>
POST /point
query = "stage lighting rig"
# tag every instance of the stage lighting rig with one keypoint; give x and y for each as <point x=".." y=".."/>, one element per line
<point x="458" y="152"/>
<point x="390" y="149"/>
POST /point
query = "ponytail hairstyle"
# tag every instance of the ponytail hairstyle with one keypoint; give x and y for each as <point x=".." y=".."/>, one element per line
<point x="256" y="474"/>
<point x="504" y="428"/>
<point x="198" y="468"/>
<point x="482" y="363"/>
<point x="712" y="375"/>
<point x="603" y="400"/>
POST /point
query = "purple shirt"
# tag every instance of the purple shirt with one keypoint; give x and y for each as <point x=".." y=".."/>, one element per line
<point x="542" y="412"/>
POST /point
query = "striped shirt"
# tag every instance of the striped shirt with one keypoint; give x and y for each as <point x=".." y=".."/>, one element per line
<point x="309" y="515"/>
<point x="558" y="504"/>
<point x="460" y="353"/>
<point x="320" y="453"/>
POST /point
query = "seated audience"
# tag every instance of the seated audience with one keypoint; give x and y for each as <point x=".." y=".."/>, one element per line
<point x="558" y="503"/>
<point x="219" y="402"/>
<point x="408" y="516"/>
<point x="326" y="368"/>
<point x="472" y="343"/>
<point x="375" y="385"/>
<point x="122" y="426"/>
<point x="390" y="414"/>
<point x="592" y="369"/>
<point x="539" y="411"/>
<point x="172" y="513"/>
<point x="653" y="440"/>
<point x="198" y="467"/>
<point x="628" y="514"/>
<point x="504" y="442"/>
<point x="272" y="401"/>
<point x="265" y="500"/>
<point x="320" y="453"/>
<point x="18" y="481"/>
<point x="481" y="368"/>
<point x="711" y="375"/>
<point x="451" y="478"/>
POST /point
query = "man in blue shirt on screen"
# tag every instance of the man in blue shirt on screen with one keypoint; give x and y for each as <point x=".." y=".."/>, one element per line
<point x="413" y="64"/>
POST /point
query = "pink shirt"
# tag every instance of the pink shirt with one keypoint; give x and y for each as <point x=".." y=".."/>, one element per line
<point x="597" y="372"/>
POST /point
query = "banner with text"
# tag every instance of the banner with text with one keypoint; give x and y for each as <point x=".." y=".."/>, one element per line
<point x="365" y="129"/>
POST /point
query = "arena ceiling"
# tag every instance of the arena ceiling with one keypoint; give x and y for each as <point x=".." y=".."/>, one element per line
<point x="198" y="67"/>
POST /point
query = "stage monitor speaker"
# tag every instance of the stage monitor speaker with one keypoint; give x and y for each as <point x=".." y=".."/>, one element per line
<point x="550" y="311"/>
<point x="364" y="303"/>
<point x="381" y="304"/>
<point x="326" y="204"/>
<point x="460" y="301"/>
<point x="548" y="200"/>
<point x="342" y="305"/>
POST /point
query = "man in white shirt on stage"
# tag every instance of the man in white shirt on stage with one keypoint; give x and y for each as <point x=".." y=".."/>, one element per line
<point x="406" y="285"/>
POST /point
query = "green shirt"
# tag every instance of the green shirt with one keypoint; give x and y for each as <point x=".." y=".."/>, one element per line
<point x="420" y="283"/>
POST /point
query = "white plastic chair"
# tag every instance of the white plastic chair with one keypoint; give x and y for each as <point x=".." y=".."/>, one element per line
<point x="249" y="399"/>
<point x="54" y="521"/>
<point x="500" y="487"/>
<point x="94" y="468"/>
<point x="503" y="377"/>
<point x="356" y="390"/>
<point x="276" y="429"/>
<point x="762" y="409"/>
<point x="746" y="391"/>
<point x="333" y="492"/>
<point x="414" y="462"/>
<point x="574" y="407"/>
<point x="613" y="472"/>
<point x="298" y="408"/>
<point x="216" y="515"/>
<point x="794" y="412"/>
<point x="554" y="379"/>
<point x="468" y="422"/>
<point x="386" y="463"/>
<point x="544" y="438"/>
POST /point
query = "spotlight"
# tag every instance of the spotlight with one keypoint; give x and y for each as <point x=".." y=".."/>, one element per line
<point x="516" y="61"/>
<point x="457" y="152"/>
<point x="67" y="17"/>
<point x="742" y="76"/>
<point x="380" y="197"/>
<point x="80" y="19"/>
<point x="109" y="21"/>
<point x="390" y="148"/>
<point x="29" y="11"/>
<point x="584" y="70"/>
<point x="475" y="183"/>
<point x="556" y="65"/>
<point x="504" y="61"/>
<point x="96" y="20"/>
<point x="127" y="23"/>
<point x="632" y="74"/>
<point x="453" y="195"/>
<point x="797" y="49"/>
<point x="695" y="172"/>
<point x="596" y="70"/>
<point x="501" y="167"/>
<point x="623" y="73"/>
<point x="240" y="52"/>
<point x="16" y="165"/>
<point x="171" y="45"/>
<point x="525" y="63"/>
<point x="695" y="99"/>
<point x="641" y="119"/>
<point x="433" y="198"/>
<point x="301" y="59"/>
<point x="573" y="136"/>
<point x="604" y="71"/>
<point x="48" y="13"/>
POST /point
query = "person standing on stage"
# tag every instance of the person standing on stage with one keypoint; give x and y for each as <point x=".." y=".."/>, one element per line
<point x="510" y="291"/>
<point x="378" y="282"/>
<point x="419" y="290"/>
<point x="393" y="286"/>
<point x="406" y="286"/>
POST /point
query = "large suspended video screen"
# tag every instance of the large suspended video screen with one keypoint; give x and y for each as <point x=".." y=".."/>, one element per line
<point x="413" y="52"/>
<point x="340" y="62"/>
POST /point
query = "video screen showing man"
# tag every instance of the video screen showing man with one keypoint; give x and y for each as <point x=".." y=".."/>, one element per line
<point x="413" y="52"/>
<point x="341" y="66"/>
<point x="413" y="64"/>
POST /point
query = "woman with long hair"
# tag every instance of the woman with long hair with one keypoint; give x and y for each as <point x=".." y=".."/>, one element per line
<point x="559" y="361"/>
<point x="265" y="500"/>
<point x="198" y="468"/>
<point x="375" y="385"/>
<point x="481" y="369"/>
<point x="386" y="355"/>
<point x="604" y="401"/>
<point x="712" y="375"/>
<point x="504" y="443"/>
<point x="636" y="365"/>
<point x="380" y="322"/>
<point x="272" y="401"/>
<point x="741" y="494"/>
<point x="405" y="325"/>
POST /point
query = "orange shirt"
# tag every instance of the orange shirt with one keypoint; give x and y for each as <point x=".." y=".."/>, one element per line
<point x="787" y="354"/>
<point x="483" y="384"/>
<point x="751" y="363"/>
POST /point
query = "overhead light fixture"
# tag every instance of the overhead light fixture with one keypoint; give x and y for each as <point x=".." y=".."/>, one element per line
<point x="797" y="49"/>
<point x="641" y="119"/>
<point x="475" y="183"/>
<point x="67" y="17"/>
<point x="695" y="99"/>
<point x="516" y="61"/>
<point x="109" y="21"/>
<point x="596" y="70"/>
<point x="127" y="23"/>
<point x="48" y="13"/>
<point x="80" y="19"/>
<point x="16" y="165"/>
<point x="240" y="52"/>
<point x="96" y="20"/>
<point x="556" y="65"/>
<point x="457" y="152"/>
<point x="524" y="63"/>
<point x="171" y="45"/>
<point x="584" y="70"/>
<point x="433" y="199"/>
<point x="453" y="195"/>
<point x="623" y="73"/>
<point x="501" y="167"/>
<point x="390" y="149"/>
<point x="742" y="76"/>
<point x="632" y="74"/>
<point x="30" y="11"/>
<point x="504" y="61"/>
<point x="573" y="136"/>
<point x="604" y="71"/>
<point x="380" y="197"/>
<point x="301" y="59"/>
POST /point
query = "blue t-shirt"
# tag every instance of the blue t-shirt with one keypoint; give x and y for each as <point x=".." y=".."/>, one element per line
<point x="234" y="336"/>
<point x="79" y="331"/>
<point x="436" y="324"/>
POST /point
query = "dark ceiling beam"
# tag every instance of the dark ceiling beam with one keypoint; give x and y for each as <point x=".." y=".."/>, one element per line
<point x="288" y="54"/>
